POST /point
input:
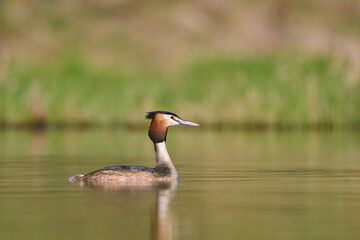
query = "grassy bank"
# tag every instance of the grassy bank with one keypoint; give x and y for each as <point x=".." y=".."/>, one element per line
<point x="284" y="90"/>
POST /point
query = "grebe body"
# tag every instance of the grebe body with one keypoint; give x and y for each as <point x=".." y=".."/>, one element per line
<point x="164" y="169"/>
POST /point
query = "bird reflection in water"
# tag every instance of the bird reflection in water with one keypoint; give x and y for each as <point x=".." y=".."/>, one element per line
<point x="161" y="220"/>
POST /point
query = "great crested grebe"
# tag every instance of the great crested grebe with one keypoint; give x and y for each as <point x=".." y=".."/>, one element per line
<point x="164" y="169"/>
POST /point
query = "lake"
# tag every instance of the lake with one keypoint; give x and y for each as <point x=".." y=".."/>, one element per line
<point x="233" y="185"/>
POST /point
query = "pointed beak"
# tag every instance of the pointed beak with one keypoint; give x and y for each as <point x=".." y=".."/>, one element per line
<point x="183" y="122"/>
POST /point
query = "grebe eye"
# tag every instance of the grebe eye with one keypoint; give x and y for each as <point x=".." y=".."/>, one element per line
<point x="173" y="118"/>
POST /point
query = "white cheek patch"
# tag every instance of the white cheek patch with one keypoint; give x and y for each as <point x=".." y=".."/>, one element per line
<point x="170" y="121"/>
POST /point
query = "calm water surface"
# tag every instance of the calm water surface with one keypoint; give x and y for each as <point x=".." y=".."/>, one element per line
<point x="233" y="185"/>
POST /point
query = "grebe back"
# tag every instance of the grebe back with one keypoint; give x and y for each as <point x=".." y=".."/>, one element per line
<point x="164" y="169"/>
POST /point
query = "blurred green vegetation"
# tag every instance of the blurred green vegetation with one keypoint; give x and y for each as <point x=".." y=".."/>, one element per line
<point x="237" y="63"/>
<point x="282" y="90"/>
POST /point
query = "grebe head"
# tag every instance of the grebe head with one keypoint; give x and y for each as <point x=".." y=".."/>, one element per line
<point x="160" y="122"/>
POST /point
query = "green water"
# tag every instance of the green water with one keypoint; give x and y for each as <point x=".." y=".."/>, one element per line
<point x="233" y="185"/>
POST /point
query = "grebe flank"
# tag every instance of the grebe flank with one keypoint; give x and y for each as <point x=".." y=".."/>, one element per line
<point x="164" y="169"/>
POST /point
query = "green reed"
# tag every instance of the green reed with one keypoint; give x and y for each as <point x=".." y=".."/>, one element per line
<point x="261" y="91"/>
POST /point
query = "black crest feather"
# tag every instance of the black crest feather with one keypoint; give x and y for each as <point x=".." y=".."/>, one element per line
<point x="151" y="115"/>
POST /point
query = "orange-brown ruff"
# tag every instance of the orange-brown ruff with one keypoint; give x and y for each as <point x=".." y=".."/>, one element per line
<point x="164" y="169"/>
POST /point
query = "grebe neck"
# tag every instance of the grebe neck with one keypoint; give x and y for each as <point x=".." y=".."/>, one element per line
<point x="162" y="156"/>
